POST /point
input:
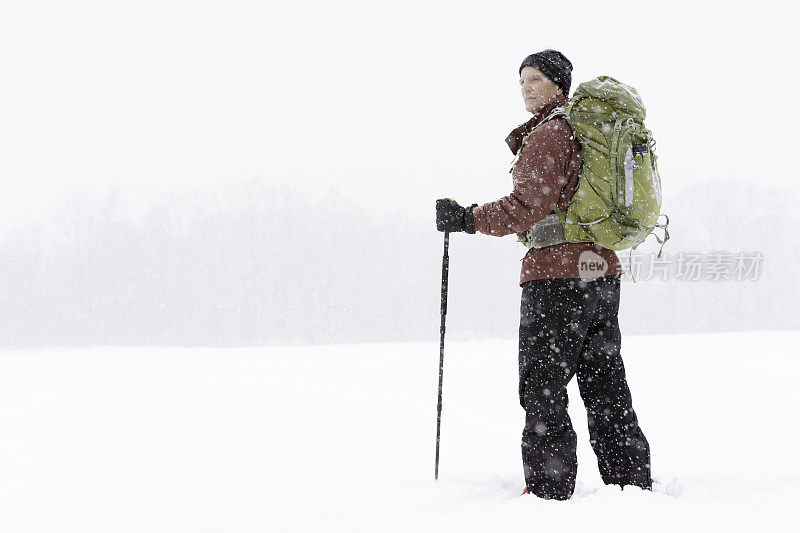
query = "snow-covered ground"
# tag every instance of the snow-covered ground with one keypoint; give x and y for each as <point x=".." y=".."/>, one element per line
<point x="341" y="438"/>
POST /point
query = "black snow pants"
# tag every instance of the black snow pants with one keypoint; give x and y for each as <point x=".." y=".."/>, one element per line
<point x="569" y="326"/>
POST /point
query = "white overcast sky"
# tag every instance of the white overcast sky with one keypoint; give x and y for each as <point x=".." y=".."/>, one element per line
<point x="388" y="104"/>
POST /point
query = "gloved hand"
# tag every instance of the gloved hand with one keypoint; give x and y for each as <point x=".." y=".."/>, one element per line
<point x="452" y="217"/>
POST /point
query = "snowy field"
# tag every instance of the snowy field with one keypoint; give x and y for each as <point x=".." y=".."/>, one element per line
<point x="341" y="438"/>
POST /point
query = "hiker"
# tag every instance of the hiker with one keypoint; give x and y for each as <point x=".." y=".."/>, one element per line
<point x="570" y="299"/>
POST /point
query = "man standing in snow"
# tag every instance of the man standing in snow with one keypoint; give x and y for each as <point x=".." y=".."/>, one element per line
<point x="570" y="300"/>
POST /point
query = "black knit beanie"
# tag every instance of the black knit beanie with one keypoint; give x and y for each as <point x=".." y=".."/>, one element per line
<point x="552" y="64"/>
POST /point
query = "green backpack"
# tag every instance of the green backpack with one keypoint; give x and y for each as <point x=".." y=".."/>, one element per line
<point x="618" y="200"/>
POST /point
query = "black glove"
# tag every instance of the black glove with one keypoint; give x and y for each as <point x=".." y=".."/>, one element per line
<point x="452" y="217"/>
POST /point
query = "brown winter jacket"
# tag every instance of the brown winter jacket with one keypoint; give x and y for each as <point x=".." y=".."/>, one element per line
<point x="544" y="175"/>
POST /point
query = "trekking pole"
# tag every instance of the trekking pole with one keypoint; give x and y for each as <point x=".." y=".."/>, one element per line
<point x="445" y="269"/>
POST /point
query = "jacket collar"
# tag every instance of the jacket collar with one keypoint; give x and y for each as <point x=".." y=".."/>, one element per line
<point x="514" y="139"/>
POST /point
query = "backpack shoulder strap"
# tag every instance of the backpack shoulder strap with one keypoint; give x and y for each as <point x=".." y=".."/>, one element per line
<point x="553" y="114"/>
<point x="558" y="111"/>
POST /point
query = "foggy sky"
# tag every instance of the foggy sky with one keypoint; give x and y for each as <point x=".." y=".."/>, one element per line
<point x="390" y="105"/>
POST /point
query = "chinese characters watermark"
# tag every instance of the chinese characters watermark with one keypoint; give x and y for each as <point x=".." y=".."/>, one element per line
<point x="692" y="266"/>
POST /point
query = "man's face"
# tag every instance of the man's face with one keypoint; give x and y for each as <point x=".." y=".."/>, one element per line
<point x="537" y="89"/>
